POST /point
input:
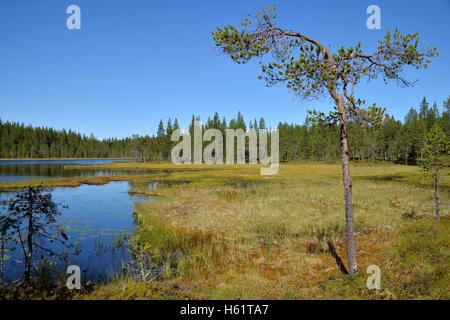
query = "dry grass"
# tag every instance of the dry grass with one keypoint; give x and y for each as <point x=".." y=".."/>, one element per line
<point x="227" y="232"/>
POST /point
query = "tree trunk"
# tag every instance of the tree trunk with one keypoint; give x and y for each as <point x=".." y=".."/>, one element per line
<point x="349" y="233"/>
<point x="437" y="199"/>
<point x="29" y="253"/>
<point x="2" y="258"/>
<point x="406" y="156"/>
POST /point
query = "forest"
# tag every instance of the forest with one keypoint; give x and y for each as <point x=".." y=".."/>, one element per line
<point x="392" y="140"/>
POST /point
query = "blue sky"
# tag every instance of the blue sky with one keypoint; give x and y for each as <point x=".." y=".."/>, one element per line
<point x="135" y="62"/>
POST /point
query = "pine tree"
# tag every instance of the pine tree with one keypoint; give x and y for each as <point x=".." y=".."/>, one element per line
<point x="423" y="109"/>
<point x="262" y="123"/>
<point x="30" y="214"/>
<point x="436" y="157"/>
<point x="161" y="132"/>
<point x="310" y="70"/>
<point x="176" y="125"/>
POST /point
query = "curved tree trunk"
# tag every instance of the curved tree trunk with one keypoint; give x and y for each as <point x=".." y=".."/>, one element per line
<point x="349" y="230"/>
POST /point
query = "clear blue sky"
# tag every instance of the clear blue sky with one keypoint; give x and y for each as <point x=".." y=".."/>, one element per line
<point x="135" y="62"/>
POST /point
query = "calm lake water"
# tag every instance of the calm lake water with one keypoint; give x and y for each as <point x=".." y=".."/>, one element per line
<point x="96" y="218"/>
<point x="22" y="170"/>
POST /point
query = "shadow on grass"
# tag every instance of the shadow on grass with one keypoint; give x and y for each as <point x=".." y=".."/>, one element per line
<point x="385" y="178"/>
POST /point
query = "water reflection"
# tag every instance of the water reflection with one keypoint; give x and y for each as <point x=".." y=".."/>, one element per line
<point x="23" y="170"/>
<point x="96" y="219"/>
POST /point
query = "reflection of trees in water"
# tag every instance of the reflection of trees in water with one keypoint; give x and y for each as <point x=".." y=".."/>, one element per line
<point x="37" y="250"/>
<point x="136" y="262"/>
<point x="33" y="169"/>
<point x="112" y="253"/>
<point x="29" y="225"/>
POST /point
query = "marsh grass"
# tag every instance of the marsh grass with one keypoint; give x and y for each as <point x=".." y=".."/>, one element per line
<point x="231" y="233"/>
<point x="227" y="232"/>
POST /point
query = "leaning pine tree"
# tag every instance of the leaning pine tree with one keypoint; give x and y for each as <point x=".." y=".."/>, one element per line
<point x="311" y="70"/>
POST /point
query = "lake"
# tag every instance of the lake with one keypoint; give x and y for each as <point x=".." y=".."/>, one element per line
<point x="96" y="218"/>
<point x="22" y="170"/>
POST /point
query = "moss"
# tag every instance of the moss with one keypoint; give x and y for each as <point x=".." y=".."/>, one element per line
<point x="132" y="290"/>
<point x="420" y="259"/>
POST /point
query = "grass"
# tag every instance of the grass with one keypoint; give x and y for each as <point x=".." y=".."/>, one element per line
<point x="415" y="265"/>
<point x="426" y="246"/>
<point x="226" y="232"/>
<point x="230" y="233"/>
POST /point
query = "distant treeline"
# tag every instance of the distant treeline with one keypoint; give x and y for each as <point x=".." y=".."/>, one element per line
<point x="393" y="140"/>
